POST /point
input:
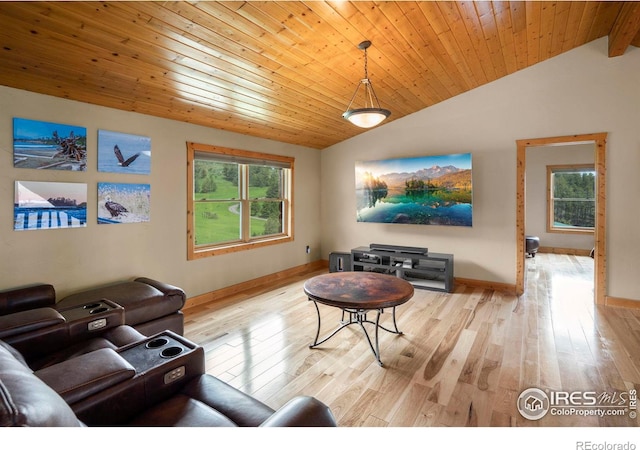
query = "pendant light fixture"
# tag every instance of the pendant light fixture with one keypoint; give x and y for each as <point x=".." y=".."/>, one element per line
<point x="371" y="114"/>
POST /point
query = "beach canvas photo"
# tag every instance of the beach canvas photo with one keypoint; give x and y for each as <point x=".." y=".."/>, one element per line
<point x="47" y="205"/>
<point x="123" y="153"/>
<point x="123" y="203"/>
<point x="427" y="190"/>
<point x="47" y="145"/>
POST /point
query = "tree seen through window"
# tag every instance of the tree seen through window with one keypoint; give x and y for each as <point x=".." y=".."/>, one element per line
<point x="572" y="201"/>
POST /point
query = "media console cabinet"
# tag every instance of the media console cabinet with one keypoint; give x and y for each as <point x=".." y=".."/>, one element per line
<point x="424" y="270"/>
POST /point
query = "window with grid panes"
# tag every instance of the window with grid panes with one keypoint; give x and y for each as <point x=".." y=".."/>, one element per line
<point x="238" y="200"/>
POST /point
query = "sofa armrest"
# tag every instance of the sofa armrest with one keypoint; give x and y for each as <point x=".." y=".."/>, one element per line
<point x="28" y="321"/>
<point x="25" y="401"/>
<point x="22" y="299"/>
<point x="87" y="319"/>
<point x="302" y="412"/>
<point x="166" y="289"/>
<point x="80" y="377"/>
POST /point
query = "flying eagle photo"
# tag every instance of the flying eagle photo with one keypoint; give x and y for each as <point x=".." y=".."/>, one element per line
<point x="121" y="161"/>
<point x="124" y="153"/>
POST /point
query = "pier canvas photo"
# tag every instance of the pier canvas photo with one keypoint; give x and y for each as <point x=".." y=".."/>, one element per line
<point x="426" y="190"/>
<point x="47" y="205"/>
<point x="123" y="153"/>
<point x="123" y="203"/>
<point x="47" y="145"/>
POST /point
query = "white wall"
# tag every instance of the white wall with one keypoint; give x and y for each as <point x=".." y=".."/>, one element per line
<point x="537" y="160"/>
<point x="579" y="92"/>
<point x="73" y="259"/>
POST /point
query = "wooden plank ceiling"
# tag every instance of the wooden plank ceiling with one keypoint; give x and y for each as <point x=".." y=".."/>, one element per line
<point x="286" y="70"/>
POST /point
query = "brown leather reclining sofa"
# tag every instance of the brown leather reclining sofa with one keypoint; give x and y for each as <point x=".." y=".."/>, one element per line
<point x="151" y="306"/>
<point x="40" y="327"/>
<point x="125" y="397"/>
<point x="81" y="365"/>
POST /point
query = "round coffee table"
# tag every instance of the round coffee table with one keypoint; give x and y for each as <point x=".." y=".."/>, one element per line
<point x="356" y="294"/>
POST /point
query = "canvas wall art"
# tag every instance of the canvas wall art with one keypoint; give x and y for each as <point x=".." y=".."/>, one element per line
<point x="46" y="145"/>
<point x="123" y="153"/>
<point x="45" y="205"/>
<point x="123" y="203"/>
<point x="427" y="190"/>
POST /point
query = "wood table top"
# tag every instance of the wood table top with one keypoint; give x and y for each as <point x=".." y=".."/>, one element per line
<point x="361" y="290"/>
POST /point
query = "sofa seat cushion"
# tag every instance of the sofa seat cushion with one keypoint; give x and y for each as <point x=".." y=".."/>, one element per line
<point x="240" y="408"/>
<point x="112" y="339"/>
<point x="182" y="411"/>
<point x="142" y="299"/>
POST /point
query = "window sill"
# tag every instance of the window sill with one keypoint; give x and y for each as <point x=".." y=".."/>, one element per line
<point x="582" y="231"/>
<point x="206" y="252"/>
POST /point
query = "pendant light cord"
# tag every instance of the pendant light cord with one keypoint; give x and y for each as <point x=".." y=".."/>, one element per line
<point x="366" y="65"/>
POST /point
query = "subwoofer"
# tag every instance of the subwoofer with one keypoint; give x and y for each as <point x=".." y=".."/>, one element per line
<point x="339" y="262"/>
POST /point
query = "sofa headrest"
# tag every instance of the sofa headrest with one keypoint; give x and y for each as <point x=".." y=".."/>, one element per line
<point x="26" y="401"/>
<point x="23" y="299"/>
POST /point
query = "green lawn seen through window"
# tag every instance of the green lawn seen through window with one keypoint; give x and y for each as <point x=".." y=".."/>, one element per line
<point x="219" y="221"/>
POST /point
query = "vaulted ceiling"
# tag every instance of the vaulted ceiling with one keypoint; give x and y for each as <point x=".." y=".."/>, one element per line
<point x="287" y="70"/>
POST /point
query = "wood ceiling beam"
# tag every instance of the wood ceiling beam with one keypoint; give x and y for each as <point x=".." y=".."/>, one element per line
<point x="625" y="28"/>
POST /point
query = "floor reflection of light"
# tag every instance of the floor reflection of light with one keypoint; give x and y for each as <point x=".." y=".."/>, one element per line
<point x="572" y="302"/>
<point x="269" y="333"/>
<point x="565" y="286"/>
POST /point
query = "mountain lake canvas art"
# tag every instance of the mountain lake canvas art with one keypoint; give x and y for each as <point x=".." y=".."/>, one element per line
<point x="427" y="190"/>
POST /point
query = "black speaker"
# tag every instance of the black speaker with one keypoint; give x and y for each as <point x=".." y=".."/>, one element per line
<point x="339" y="262"/>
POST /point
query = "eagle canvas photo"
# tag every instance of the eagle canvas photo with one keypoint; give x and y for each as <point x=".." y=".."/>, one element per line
<point x="123" y="153"/>
<point x="428" y="190"/>
<point x="123" y="203"/>
<point x="48" y="205"/>
<point x="46" y="145"/>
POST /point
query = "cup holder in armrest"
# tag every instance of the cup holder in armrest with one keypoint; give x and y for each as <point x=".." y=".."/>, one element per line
<point x="96" y="316"/>
<point x="157" y="351"/>
<point x="91" y="306"/>
<point x="170" y="352"/>
<point x="82" y="312"/>
<point x="165" y="362"/>
<point x="158" y="342"/>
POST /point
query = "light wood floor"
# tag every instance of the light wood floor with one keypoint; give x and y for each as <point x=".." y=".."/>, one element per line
<point x="463" y="360"/>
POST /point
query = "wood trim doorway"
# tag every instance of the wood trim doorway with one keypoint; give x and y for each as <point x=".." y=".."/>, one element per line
<point x="600" y="141"/>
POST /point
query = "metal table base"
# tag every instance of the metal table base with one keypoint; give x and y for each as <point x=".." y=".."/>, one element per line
<point x="357" y="316"/>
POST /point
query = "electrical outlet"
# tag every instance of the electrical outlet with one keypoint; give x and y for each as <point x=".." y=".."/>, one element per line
<point x="308" y="250"/>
